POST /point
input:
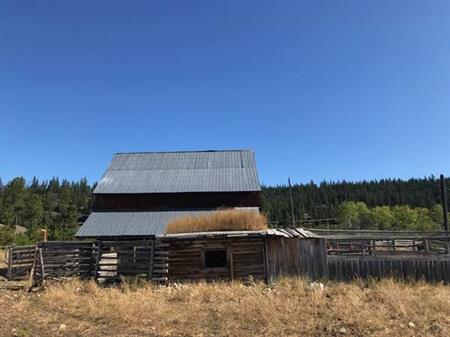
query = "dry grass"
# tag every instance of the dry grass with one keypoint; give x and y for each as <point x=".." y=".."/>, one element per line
<point x="288" y="308"/>
<point x="222" y="220"/>
<point x="2" y="259"/>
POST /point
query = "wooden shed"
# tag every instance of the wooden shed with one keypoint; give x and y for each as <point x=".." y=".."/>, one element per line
<point x="260" y="255"/>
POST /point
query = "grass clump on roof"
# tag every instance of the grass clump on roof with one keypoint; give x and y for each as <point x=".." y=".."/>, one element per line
<point x="221" y="220"/>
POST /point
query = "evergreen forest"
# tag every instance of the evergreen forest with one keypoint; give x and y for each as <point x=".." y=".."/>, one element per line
<point x="61" y="206"/>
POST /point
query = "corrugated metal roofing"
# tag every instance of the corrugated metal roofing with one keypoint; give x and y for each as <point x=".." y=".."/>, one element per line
<point x="133" y="223"/>
<point x="292" y="233"/>
<point x="282" y="232"/>
<point x="174" y="172"/>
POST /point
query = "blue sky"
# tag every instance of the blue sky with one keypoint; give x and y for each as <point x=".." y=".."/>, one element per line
<point x="321" y="90"/>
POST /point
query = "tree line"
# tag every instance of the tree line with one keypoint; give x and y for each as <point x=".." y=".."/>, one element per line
<point x="356" y="215"/>
<point x="60" y="207"/>
<point x="322" y="201"/>
<point x="56" y="206"/>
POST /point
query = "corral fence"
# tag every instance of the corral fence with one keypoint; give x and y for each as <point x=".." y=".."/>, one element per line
<point x="350" y="254"/>
<point x="145" y="258"/>
<point x="429" y="268"/>
<point x="378" y="254"/>
<point x="19" y="261"/>
<point x="102" y="260"/>
<point x="53" y="259"/>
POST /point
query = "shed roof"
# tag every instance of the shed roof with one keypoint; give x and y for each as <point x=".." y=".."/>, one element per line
<point x="286" y="233"/>
<point x="174" y="172"/>
<point x="105" y="224"/>
<point x="112" y="224"/>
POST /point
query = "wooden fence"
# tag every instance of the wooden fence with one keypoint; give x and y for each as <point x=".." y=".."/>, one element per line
<point x="374" y="242"/>
<point x="103" y="260"/>
<point x="54" y="259"/>
<point x="378" y="254"/>
<point x="145" y="258"/>
<point x="19" y="261"/>
<point x="430" y="268"/>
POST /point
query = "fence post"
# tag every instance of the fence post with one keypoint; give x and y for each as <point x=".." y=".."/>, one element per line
<point x="33" y="269"/>
<point x="150" y="266"/>
<point x="9" y="262"/>
<point x="427" y="245"/>
<point x="97" y="260"/>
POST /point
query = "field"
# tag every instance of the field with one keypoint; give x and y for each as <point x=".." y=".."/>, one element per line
<point x="291" y="307"/>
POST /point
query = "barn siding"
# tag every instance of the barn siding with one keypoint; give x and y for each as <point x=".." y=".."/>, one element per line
<point x="174" y="201"/>
<point x="296" y="257"/>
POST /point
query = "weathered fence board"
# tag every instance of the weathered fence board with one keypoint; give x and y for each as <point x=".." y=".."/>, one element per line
<point x="294" y="257"/>
<point x="379" y="254"/>
<point x="64" y="259"/>
<point x="19" y="261"/>
<point x="145" y="258"/>
<point x="430" y="268"/>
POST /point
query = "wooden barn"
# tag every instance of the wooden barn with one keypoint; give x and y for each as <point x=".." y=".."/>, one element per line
<point x="140" y="193"/>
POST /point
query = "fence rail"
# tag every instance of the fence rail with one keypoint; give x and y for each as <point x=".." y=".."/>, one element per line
<point x="19" y="261"/>
<point x="377" y="254"/>
<point x="64" y="259"/>
<point x="103" y="260"/>
<point x="145" y="258"/>
<point x="375" y="242"/>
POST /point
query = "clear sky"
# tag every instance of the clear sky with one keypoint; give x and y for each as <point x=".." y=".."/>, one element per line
<point x="319" y="89"/>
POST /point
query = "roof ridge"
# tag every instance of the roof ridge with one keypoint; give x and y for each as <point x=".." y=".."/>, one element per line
<point x="187" y="151"/>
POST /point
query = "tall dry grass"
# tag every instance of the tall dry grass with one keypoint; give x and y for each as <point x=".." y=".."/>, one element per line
<point x="290" y="307"/>
<point x="3" y="259"/>
<point x="221" y="220"/>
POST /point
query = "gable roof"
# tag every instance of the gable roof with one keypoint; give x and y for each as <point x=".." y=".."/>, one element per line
<point x="174" y="172"/>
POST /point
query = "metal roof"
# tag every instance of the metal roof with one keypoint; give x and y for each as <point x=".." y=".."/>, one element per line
<point x="292" y="233"/>
<point x="108" y="224"/>
<point x="173" y="172"/>
<point x="133" y="223"/>
<point x="285" y="232"/>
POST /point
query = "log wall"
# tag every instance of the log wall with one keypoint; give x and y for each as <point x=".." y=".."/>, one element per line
<point x="245" y="258"/>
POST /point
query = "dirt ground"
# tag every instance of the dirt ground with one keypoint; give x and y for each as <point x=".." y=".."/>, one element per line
<point x="290" y="307"/>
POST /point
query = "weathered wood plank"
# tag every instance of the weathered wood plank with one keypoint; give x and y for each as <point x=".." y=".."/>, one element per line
<point x="432" y="268"/>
